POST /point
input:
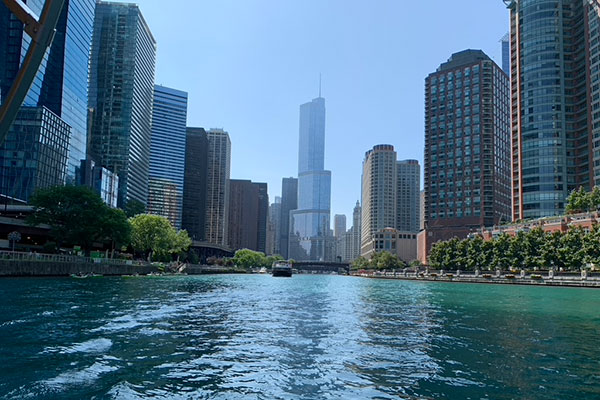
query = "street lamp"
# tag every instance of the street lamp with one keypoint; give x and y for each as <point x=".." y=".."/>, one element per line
<point x="14" y="237"/>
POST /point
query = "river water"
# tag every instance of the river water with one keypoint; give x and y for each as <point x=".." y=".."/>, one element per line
<point x="306" y="337"/>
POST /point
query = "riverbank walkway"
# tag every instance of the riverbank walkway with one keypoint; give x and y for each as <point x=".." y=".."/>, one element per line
<point x="550" y="277"/>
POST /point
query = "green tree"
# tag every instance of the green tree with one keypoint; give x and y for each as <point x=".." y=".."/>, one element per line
<point x="534" y="242"/>
<point x="77" y="216"/>
<point x="154" y="236"/>
<point x="572" y="249"/>
<point x="549" y="253"/>
<point x="594" y="199"/>
<point x="360" y="263"/>
<point x="578" y="201"/>
<point x="385" y="260"/>
<point x="501" y="259"/>
<point x="246" y="258"/>
<point x="474" y="250"/>
<point x="116" y="228"/>
<point x="134" y="207"/>
<point x="437" y="254"/>
<point x="591" y="246"/>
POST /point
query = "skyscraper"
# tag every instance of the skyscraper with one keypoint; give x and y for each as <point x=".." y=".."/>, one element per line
<point x="339" y="225"/>
<point x="195" y="183"/>
<point x="379" y="186"/>
<point x="167" y="154"/>
<point x="60" y="87"/>
<point x="354" y="248"/>
<point x="408" y="195"/>
<point x="467" y="148"/>
<point x="243" y="215"/>
<point x="505" y="42"/>
<point x="247" y="227"/>
<point x="289" y="202"/>
<point x="310" y="237"/>
<point x="263" y="215"/>
<point x="339" y="233"/>
<point x="555" y="124"/>
<point x="121" y="95"/>
<point x="274" y="227"/>
<point x="217" y="187"/>
<point x="386" y="183"/>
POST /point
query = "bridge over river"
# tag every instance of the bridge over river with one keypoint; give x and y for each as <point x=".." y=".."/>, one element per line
<point x="321" y="267"/>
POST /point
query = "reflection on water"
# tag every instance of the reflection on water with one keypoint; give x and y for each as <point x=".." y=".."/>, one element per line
<point x="308" y="337"/>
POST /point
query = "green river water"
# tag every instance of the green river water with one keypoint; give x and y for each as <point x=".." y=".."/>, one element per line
<point x="305" y="337"/>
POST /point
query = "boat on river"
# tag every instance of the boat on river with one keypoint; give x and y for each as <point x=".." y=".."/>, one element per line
<point x="282" y="268"/>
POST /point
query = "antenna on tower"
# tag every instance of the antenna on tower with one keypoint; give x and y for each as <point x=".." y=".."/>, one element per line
<point x="319" y="84"/>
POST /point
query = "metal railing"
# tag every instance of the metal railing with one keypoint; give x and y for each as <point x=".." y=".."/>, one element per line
<point x="31" y="256"/>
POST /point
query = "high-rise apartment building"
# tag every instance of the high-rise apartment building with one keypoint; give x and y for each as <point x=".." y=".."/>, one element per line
<point x="247" y="228"/>
<point x="379" y="188"/>
<point x="195" y="184"/>
<point x="289" y="202"/>
<point x="555" y="100"/>
<point x="263" y="215"/>
<point x="339" y="225"/>
<point x="121" y="96"/>
<point x="167" y="154"/>
<point x="59" y="88"/>
<point x="339" y="236"/>
<point x="408" y="195"/>
<point x="274" y="227"/>
<point x="382" y="219"/>
<point x="467" y="148"/>
<point x="217" y="187"/>
<point x="310" y="236"/>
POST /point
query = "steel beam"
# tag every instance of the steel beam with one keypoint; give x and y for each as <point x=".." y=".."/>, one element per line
<point x="41" y="32"/>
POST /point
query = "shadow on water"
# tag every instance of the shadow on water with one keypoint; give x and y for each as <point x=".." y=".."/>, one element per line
<point x="308" y="337"/>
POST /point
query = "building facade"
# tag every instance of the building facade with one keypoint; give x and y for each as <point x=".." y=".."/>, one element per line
<point x="247" y="228"/>
<point x="121" y="96"/>
<point x="274" y="227"/>
<point x="310" y="233"/>
<point x="167" y="154"/>
<point x="379" y="189"/>
<point x="289" y="202"/>
<point x="408" y="196"/>
<point x="195" y="184"/>
<point x="35" y="153"/>
<point x="60" y="87"/>
<point x="467" y="148"/>
<point x="217" y="187"/>
<point x="555" y="131"/>
<point x="101" y="180"/>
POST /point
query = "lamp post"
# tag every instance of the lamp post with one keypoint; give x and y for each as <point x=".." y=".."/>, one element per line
<point x="14" y="237"/>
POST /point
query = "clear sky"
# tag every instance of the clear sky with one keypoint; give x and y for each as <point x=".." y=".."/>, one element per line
<point x="249" y="64"/>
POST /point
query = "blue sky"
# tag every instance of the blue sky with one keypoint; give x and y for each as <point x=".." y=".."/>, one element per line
<point x="249" y="64"/>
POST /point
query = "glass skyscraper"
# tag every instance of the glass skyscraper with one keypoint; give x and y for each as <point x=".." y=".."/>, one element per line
<point x="60" y="86"/>
<point x="121" y="96"/>
<point x="310" y="234"/>
<point x="555" y="130"/>
<point x="167" y="154"/>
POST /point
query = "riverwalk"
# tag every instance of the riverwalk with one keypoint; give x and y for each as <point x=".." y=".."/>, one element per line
<point x="540" y="278"/>
<point x="18" y="264"/>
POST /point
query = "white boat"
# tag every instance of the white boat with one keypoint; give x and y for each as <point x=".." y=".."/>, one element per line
<point x="282" y="268"/>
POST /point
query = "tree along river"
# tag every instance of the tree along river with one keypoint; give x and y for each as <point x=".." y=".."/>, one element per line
<point x="305" y="337"/>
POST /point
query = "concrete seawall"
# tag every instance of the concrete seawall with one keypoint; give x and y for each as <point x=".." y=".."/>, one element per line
<point x="20" y="268"/>
<point x="548" y="279"/>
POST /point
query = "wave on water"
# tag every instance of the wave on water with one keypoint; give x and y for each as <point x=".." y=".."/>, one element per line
<point x="79" y="377"/>
<point x="99" y="345"/>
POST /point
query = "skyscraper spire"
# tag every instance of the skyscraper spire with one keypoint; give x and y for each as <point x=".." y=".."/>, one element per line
<point x="319" y="84"/>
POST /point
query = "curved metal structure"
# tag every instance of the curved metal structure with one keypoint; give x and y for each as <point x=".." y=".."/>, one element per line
<point x="41" y="30"/>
